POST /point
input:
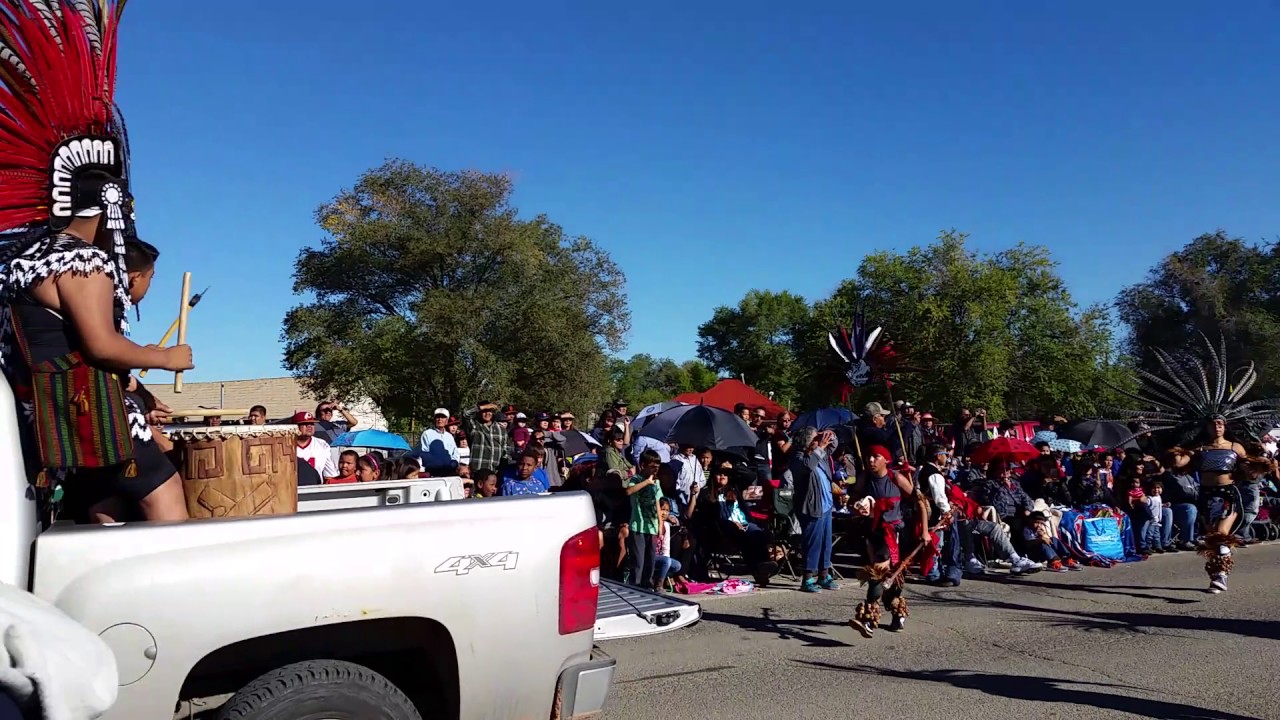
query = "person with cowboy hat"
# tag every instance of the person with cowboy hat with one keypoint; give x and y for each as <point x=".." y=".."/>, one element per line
<point x="487" y="438"/>
<point x="1040" y="534"/>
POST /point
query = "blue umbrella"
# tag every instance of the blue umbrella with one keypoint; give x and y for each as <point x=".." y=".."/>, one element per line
<point x="1065" y="445"/>
<point x="377" y="439"/>
<point x="700" y="426"/>
<point x="824" y="418"/>
<point x="1044" y="436"/>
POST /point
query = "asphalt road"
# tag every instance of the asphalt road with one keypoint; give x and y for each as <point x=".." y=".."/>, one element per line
<point x="1141" y="640"/>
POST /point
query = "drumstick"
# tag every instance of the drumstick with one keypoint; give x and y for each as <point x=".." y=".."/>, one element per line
<point x="169" y="333"/>
<point x="182" y="324"/>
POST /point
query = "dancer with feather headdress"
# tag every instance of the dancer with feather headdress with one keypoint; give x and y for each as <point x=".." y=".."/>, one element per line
<point x="1196" y="404"/>
<point x="66" y="279"/>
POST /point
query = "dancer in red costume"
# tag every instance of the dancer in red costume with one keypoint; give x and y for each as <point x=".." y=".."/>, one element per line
<point x="883" y="491"/>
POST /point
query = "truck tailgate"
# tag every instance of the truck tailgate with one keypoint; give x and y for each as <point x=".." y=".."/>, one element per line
<point x="628" y="612"/>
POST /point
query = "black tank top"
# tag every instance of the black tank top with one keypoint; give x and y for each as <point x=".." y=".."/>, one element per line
<point x="884" y="488"/>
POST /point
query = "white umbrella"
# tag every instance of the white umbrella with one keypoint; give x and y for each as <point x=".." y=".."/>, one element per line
<point x="648" y="411"/>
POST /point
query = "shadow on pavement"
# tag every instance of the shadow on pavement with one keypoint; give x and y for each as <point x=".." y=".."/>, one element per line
<point x="1137" y="622"/>
<point x="1125" y="590"/>
<point x="784" y="629"/>
<point x="1044" y="690"/>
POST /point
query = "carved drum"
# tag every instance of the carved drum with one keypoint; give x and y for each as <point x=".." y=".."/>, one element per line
<point x="238" y="470"/>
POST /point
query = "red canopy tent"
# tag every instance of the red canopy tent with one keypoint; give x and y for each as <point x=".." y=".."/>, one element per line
<point x="727" y="393"/>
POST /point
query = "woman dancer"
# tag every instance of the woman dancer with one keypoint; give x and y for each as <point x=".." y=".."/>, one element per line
<point x="1217" y="460"/>
<point x="1199" y="395"/>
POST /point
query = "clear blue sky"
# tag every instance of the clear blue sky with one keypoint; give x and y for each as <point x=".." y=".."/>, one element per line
<point x="711" y="147"/>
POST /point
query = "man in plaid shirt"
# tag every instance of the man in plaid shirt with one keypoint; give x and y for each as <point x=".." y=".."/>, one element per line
<point x="488" y="439"/>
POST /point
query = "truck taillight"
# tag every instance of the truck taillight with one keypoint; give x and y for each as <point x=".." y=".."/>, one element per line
<point x="579" y="581"/>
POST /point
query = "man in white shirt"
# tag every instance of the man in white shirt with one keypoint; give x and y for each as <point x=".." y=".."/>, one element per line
<point x="688" y="473"/>
<point x="438" y="447"/>
<point x="311" y="449"/>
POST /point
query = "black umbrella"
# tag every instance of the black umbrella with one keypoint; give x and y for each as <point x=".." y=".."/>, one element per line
<point x="1099" y="433"/>
<point x="700" y="426"/>
<point x="572" y="442"/>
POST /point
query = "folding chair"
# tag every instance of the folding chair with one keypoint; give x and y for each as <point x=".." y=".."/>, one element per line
<point x="781" y="526"/>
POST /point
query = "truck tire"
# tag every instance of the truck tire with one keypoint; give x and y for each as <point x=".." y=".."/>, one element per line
<point x="320" y="690"/>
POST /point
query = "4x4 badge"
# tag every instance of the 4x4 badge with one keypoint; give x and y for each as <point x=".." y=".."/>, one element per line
<point x="463" y="564"/>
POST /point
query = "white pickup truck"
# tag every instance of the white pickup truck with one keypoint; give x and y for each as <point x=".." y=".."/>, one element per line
<point x="422" y="609"/>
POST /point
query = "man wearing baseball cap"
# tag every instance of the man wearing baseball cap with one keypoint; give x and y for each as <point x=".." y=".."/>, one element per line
<point x="873" y="429"/>
<point x="438" y="448"/>
<point x="312" y="450"/>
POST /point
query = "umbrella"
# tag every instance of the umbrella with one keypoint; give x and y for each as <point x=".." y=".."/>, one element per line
<point x="647" y="412"/>
<point x="1044" y="436"/>
<point x="572" y="442"/>
<point x="1065" y="445"/>
<point x="376" y="439"/>
<point x="1006" y="449"/>
<point x="700" y="426"/>
<point x="824" y="418"/>
<point x="1099" y="433"/>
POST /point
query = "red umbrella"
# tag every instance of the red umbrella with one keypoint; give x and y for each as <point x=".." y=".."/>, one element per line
<point x="1006" y="449"/>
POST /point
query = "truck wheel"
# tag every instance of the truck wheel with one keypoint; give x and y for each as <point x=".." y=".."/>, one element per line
<point x="320" y="690"/>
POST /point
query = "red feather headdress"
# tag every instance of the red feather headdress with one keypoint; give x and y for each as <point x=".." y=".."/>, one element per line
<point x="63" y="149"/>
<point x="866" y="355"/>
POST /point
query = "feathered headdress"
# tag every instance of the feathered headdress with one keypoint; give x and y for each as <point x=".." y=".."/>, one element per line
<point x="63" y="148"/>
<point x="1196" y="390"/>
<point x="865" y="355"/>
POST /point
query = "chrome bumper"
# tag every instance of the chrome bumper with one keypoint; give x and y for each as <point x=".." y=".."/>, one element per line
<point x="583" y="688"/>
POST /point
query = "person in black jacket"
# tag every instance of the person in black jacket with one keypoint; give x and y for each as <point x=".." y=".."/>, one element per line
<point x="1086" y="486"/>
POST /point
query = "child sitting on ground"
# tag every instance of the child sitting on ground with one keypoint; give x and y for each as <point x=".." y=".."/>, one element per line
<point x="1043" y="546"/>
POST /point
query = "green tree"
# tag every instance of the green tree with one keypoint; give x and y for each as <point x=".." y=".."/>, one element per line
<point x="756" y="340"/>
<point x="430" y="290"/>
<point x="1216" y="284"/>
<point x="998" y="331"/>
<point x="644" y="380"/>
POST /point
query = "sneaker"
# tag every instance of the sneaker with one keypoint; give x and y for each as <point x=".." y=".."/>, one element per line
<point x="829" y="583"/>
<point x="810" y="585"/>
<point x="1056" y="566"/>
<point x="1188" y="546"/>
<point x="1024" y="566"/>
<point x="1073" y="565"/>
<point x="898" y="624"/>
<point x="1218" y="584"/>
<point x="866" y="628"/>
<point x="1156" y="551"/>
<point x="975" y="567"/>
<point x="1171" y="548"/>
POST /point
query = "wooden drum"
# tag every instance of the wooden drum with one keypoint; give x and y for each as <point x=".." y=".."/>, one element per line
<point x="238" y="470"/>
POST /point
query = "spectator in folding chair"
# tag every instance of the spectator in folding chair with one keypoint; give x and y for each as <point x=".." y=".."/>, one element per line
<point x="971" y="520"/>
<point x="721" y="526"/>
